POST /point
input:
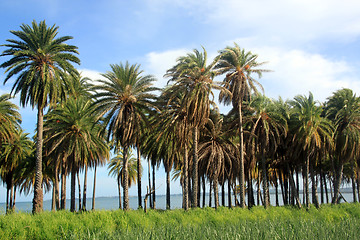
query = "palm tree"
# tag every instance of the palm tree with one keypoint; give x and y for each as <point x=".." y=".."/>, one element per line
<point x="268" y="126"/>
<point x="192" y="76"/>
<point x="116" y="169"/>
<point x="123" y="99"/>
<point x="72" y="133"/>
<point x="216" y="152"/>
<point x="343" y="109"/>
<point x="9" y="118"/>
<point x="40" y="63"/>
<point x="310" y="131"/>
<point x="14" y="151"/>
<point x="239" y="67"/>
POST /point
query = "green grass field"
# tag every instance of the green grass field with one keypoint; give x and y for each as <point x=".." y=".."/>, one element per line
<point x="329" y="222"/>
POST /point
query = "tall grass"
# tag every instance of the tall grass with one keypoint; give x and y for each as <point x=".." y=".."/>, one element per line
<point x="329" y="222"/>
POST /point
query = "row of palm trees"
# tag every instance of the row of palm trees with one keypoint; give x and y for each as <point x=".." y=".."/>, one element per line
<point x="261" y="141"/>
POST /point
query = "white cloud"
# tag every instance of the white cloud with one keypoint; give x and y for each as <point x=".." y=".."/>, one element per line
<point x="157" y="63"/>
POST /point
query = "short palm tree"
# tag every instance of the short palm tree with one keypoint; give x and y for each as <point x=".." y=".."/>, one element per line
<point x="239" y="67"/>
<point x="14" y="151"/>
<point x="124" y="99"/>
<point x="116" y="169"/>
<point x="40" y="63"/>
<point x="72" y="133"/>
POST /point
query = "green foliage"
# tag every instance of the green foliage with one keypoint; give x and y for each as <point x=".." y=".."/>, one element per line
<point x="329" y="222"/>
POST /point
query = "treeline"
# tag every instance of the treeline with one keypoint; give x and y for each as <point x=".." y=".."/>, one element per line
<point x="260" y="142"/>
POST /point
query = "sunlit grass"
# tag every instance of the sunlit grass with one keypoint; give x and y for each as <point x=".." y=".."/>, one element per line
<point x="329" y="222"/>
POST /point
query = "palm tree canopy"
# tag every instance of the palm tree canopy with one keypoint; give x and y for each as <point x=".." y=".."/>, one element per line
<point x="40" y="61"/>
<point x="9" y="118"/>
<point x="123" y="99"/>
<point x="239" y="66"/>
<point x="116" y="167"/>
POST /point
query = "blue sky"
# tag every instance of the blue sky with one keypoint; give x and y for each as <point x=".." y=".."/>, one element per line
<point x="310" y="45"/>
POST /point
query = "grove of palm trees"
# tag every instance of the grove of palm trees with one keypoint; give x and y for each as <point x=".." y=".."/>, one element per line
<point x="295" y="146"/>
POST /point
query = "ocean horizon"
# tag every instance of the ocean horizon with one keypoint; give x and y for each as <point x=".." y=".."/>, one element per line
<point x="112" y="202"/>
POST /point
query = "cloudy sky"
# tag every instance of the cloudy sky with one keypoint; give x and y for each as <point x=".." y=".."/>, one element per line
<point x="310" y="45"/>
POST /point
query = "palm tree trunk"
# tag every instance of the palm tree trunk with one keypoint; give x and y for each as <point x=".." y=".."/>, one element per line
<point x="314" y="187"/>
<point x="258" y="189"/>
<point x="358" y="184"/>
<point x="119" y="190"/>
<point x="79" y="186"/>
<point x="56" y="186"/>
<point x="251" y="199"/>
<point x="186" y="182"/>
<point x="167" y="189"/>
<point x="223" y="193"/>
<point x="293" y="187"/>
<point x="216" y="192"/>
<point x="153" y="193"/>
<point x="210" y="192"/>
<point x="53" y="205"/>
<point x="85" y="188"/>
<point x="126" y="179"/>
<point x="337" y="184"/>
<point x="229" y="193"/>
<point x="38" y="191"/>
<point x="199" y="192"/>
<point x="353" y="179"/>
<point x="13" y="206"/>
<point x="72" y="192"/>
<point x="307" y="165"/>
<point x="150" y="189"/>
<point x="7" y="198"/>
<point x="265" y="181"/>
<point x="11" y="194"/>
<point x="195" y="184"/>
<point x="93" y="197"/>
<point x="326" y="189"/>
<point x="63" y="188"/>
<point x="242" y="171"/>
<point x="276" y="192"/>
<point x="204" y="191"/>
<point x="139" y="176"/>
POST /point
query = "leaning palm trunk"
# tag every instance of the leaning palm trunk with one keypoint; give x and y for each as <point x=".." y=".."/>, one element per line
<point x="194" y="202"/>
<point x="242" y="170"/>
<point x="353" y="180"/>
<point x="293" y="187"/>
<point x="126" y="179"/>
<point x="38" y="191"/>
<point x="139" y="176"/>
<point x="53" y="207"/>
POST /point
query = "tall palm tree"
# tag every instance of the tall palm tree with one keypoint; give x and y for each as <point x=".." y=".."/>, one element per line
<point x="239" y="66"/>
<point x="124" y="99"/>
<point x="72" y="133"/>
<point x="192" y="76"/>
<point x="40" y="63"/>
<point x="343" y="109"/>
<point x="310" y="132"/>
<point x="116" y="169"/>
